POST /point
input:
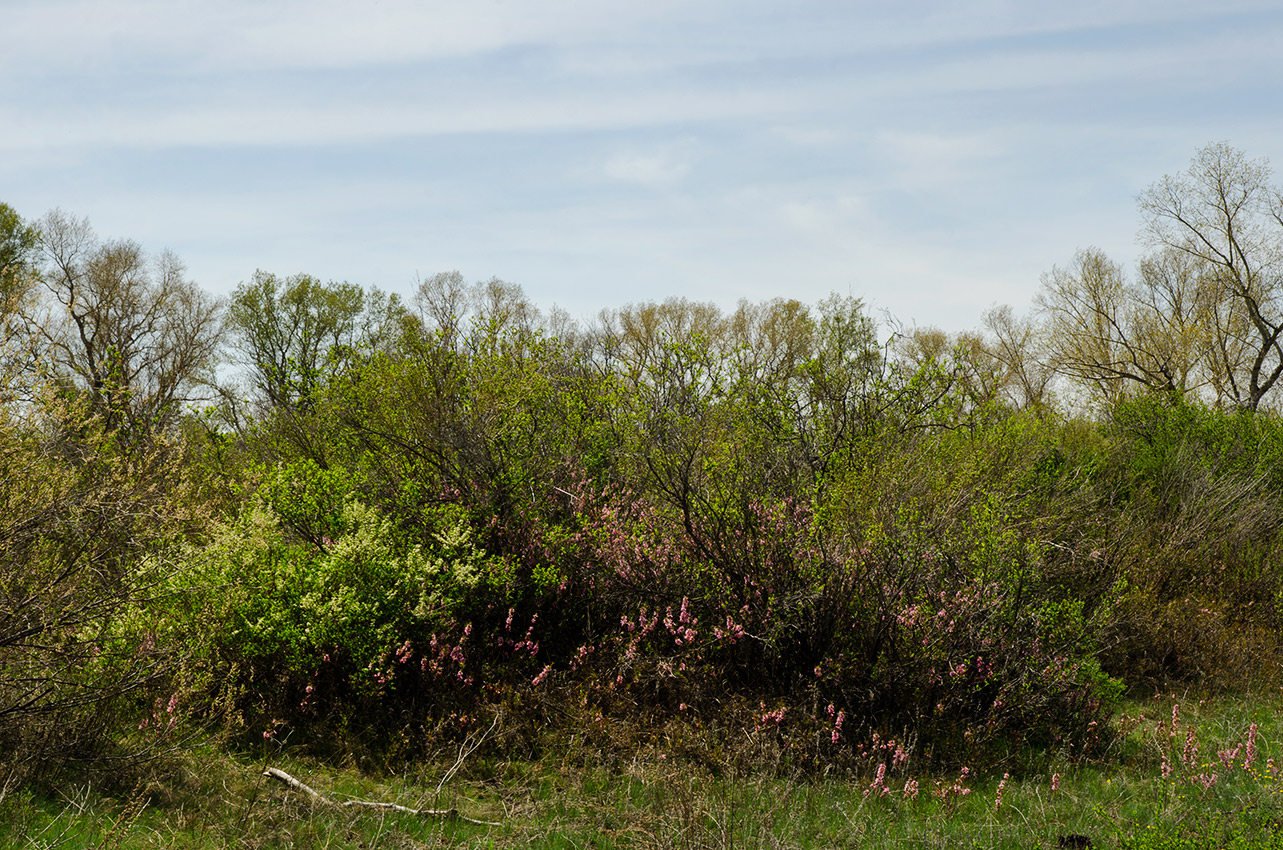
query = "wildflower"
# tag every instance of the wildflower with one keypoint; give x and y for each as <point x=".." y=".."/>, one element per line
<point x="911" y="789"/>
<point x="1189" y="753"/>
<point x="1207" y="780"/>
<point x="1250" y="756"/>
<point x="1055" y="782"/>
<point x="1002" y="787"/>
<point x="879" y="783"/>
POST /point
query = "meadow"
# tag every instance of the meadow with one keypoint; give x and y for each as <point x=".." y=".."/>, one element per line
<point x="1186" y="775"/>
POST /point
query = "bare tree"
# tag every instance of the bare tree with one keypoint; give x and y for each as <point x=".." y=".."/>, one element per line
<point x="1018" y="345"/>
<point x="128" y="330"/>
<point x="1223" y="214"/>
<point x="1114" y="335"/>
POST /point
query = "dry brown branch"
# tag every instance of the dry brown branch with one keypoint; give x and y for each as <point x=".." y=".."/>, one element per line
<point x="451" y="813"/>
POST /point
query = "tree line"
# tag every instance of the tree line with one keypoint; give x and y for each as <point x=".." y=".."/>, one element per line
<point x="395" y="516"/>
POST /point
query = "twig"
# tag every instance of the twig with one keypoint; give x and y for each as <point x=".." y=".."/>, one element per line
<point x="453" y="814"/>
<point x="467" y="748"/>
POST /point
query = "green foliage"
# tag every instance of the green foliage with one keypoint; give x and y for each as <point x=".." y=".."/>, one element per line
<point x="18" y="243"/>
<point x="87" y="537"/>
<point x="285" y="605"/>
<point x="288" y="332"/>
<point x="310" y="501"/>
<point x="1197" y="511"/>
<point x="766" y="526"/>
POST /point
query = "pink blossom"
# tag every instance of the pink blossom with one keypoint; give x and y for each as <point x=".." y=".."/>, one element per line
<point x="1189" y="753"/>
<point x="879" y="784"/>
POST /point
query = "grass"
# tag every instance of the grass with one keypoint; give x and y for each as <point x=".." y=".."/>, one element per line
<point x="211" y="799"/>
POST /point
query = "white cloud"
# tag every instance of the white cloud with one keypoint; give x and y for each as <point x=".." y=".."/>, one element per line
<point x="304" y="34"/>
<point x="662" y="167"/>
<point x="830" y="217"/>
<point x="932" y="161"/>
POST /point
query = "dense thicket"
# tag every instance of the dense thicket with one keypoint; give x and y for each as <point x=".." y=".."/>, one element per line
<point x="778" y="532"/>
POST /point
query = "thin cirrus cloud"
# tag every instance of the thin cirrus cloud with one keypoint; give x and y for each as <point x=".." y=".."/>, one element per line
<point x="930" y="156"/>
<point x="239" y="35"/>
<point x="655" y="168"/>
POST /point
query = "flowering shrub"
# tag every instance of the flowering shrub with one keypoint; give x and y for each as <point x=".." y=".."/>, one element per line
<point x="953" y="648"/>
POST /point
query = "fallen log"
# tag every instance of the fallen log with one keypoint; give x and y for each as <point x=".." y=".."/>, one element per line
<point x="449" y="814"/>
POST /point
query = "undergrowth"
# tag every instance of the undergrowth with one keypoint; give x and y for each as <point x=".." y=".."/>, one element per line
<point x="1187" y="774"/>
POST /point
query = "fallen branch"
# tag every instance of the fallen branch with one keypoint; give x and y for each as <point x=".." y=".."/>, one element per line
<point x="453" y="814"/>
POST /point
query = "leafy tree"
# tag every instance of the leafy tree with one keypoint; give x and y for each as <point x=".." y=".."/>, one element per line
<point x="285" y="331"/>
<point x="18" y="245"/>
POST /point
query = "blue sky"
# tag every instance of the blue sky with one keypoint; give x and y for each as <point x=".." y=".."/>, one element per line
<point x="931" y="158"/>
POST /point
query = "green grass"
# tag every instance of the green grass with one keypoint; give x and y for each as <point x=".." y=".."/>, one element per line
<point x="211" y="799"/>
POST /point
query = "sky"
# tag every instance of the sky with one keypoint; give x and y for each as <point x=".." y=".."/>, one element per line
<point x="931" y="158"/>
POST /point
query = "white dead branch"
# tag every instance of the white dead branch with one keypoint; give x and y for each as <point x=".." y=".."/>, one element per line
<point x="282" y="776"/>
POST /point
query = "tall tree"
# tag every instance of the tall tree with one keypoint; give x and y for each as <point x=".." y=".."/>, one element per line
<point x="1114" y="334"/>
<point x="1224" y="214"/>
<point x="19" y="245"/>
<point x="286" y="329"/>
<point x="19" y="242"/>
<point x="1018" y="346"/>
<point x="129" y="330"/>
